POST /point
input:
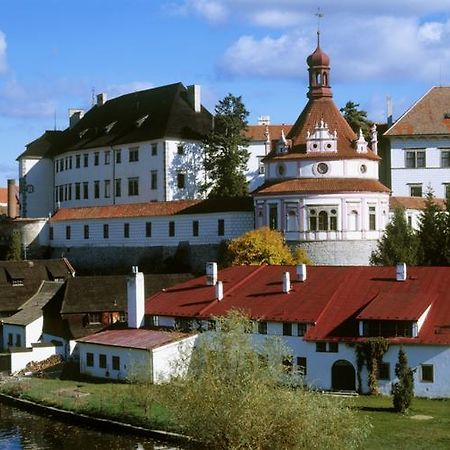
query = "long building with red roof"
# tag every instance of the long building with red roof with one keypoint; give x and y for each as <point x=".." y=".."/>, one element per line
<point x="324" y="316"/>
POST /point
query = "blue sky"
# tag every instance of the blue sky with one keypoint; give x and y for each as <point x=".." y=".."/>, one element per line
<point x="53" y="53"/>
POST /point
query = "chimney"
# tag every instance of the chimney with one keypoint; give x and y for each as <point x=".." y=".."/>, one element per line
<point x="74" y="116"/>
<point x="286" y="282"/>
<point x="301" y="272"/>
<point x="12" y="200"/>
<point x="219" y="291"/>
<point x="101" y="98"/>
<point x="264" y="120"/>
<point x="135" y="298"/>
<point x="374" y="139"/>
<point x="401" y="272"/>
<point x="194" y="98"/>
<point x="211" y="273"/>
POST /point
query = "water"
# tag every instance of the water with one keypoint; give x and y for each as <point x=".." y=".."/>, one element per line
<point x="22" y="430"/>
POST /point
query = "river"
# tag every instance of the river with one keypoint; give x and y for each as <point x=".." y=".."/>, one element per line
<point x="22" y="430"/>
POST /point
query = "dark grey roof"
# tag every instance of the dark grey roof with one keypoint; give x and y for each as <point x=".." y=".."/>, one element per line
<point x="32" y="309"/>
<point x="33" y="273"/>
<point x="109" y="293"/>
<point x="168" y="111"/>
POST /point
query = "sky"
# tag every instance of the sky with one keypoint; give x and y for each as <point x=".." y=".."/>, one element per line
<point x="54" y="54"/>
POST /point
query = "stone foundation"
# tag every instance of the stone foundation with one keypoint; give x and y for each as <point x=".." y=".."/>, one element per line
<point x="338" y="253"/>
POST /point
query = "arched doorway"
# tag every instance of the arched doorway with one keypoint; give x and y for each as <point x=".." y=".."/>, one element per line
<point x="343" y="376"/>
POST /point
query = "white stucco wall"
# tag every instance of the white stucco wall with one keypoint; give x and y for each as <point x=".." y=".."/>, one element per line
<point x="29" y="334"/>
<point x="432" y="175"/>
<point x="36" y="187"/>
<point x="236" y="223"/>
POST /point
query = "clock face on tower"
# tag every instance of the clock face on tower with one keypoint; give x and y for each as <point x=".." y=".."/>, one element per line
<point x="322" y="168"/>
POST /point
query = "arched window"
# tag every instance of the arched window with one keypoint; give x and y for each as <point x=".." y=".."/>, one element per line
<point x="313" y="220"/>
<point x="323" y="221"/>
<point x="353" y="221"/>
<point x="317" y="78"/>
<point x="292" y="222"/>
<point x="324" y="79"/>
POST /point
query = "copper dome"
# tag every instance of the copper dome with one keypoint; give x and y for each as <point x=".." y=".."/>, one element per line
<point x="318" y="58"/>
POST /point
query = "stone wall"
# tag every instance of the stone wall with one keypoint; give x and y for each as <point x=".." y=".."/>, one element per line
<point x="338" y="253"/>
<point x="113" y="260"/>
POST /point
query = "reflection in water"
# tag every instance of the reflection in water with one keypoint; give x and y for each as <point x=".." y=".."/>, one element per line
<point x="22" y="430"/>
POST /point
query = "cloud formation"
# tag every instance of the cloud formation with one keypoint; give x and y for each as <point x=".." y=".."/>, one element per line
<point x="373" y="48"/>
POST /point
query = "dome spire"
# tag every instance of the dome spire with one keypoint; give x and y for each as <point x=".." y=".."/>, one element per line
<point x="319" y="68"/>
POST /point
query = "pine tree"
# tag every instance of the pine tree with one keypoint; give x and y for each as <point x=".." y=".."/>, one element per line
<point x="226" y="152"/>
<point x="398" y="244"/>
<point x="403" y="390"/>
<point x="14" y="248"/>
<point x="357" y="118"/>
<point x="433" y="223"/>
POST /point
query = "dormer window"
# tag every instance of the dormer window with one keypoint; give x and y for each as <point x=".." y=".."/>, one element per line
<point x="110" y="126"/>
<point x="141" y="120"/>
<point x="82" y="133"/>
<point x="321" y="139"/>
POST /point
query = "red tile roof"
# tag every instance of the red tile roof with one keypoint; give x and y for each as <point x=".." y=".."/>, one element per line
<point x="256" y="132"/>
<point x="154" y="209"/>
<point x="413" y="202"/>
<point x="321" y="185"/>
<point x="315" y="110"/>
<point x="429" y="115"/>
<point x="332" y="297"/>
<point x="3" y="196"/>
<point x="134" y="338"/>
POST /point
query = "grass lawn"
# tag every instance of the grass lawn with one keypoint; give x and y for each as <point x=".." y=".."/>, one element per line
<point x="136" y="404"/>
<point x="131" y="403"/>
<point x="397" y="431"/>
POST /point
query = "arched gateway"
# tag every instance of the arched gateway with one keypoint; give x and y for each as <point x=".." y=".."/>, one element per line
<point x="343" y="376"/>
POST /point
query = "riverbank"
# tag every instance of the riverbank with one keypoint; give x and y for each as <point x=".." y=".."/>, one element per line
<point x="133" y="408"/>
<point x="124" y="408"/>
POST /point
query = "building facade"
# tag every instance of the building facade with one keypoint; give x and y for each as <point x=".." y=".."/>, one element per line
<point x="420" y="147"/>
<point x="140" y="147"/>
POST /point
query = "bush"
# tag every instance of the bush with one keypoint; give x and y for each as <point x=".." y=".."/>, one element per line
<point x="403" y="390"/>
<point x="239" y="395"/>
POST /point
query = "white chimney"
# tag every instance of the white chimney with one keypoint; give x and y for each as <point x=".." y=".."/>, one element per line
<point x="264" y="120"/>
<point x="74" y="116"/>
<point x="401" y="272"/>
<point x="101" y="98"/>
<point x="286" y="282"/>
<point x="194" y="97"/>
<point x="219" y="291"/>
<point x="301" y="272"/>
<point x="136" y="298"/>
<point x="211" y="273"/>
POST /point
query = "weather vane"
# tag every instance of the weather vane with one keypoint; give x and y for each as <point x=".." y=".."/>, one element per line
<point x="319" y="15"/>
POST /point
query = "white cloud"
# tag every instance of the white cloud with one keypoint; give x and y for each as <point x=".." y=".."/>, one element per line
<point x="266" y="57"/>
<point x="376" y="48"/>
<point x="214" y="11"/>
<point x="3" y="65"/>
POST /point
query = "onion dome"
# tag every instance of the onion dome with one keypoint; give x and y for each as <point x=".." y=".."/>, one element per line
<point x="318" y="58"/>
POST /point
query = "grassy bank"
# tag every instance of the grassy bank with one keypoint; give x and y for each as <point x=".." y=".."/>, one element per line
<point x="427" y="424"/>
<point x="130" y="403"/>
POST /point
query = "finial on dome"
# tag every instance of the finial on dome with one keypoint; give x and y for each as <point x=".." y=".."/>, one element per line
<point x="319" y="15"/>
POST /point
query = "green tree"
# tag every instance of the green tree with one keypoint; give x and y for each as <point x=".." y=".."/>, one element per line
<point x="398" y="244"/>
<point x="262" y="246"/>
<point x="357" y="119"/>
<point x="226" y="154"/>
<point x="433" y="233"/>
<point x="237" y="395"/>
<point x="403" y="390"/>
<point x="14" y="252"/>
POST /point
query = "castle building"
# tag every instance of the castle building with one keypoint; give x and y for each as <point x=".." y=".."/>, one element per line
<point x="321" y="184"/>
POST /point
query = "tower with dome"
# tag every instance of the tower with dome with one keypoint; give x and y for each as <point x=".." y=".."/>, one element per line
<point x="321" y="186"/>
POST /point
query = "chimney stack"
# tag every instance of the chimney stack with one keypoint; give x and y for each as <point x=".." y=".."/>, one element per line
<point x="194" y="97"/>
<point x="75" y="115"/>
<point x="211" y="273"/>
<point x="301" y="272"/>
<point x="219" y="291"/>
<point x="101" y="98"/>
<point x="401" y="272"/>
<point x="136" y="298"/>
<point x="286" y="282"/>
<point x="12" y="200"/>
